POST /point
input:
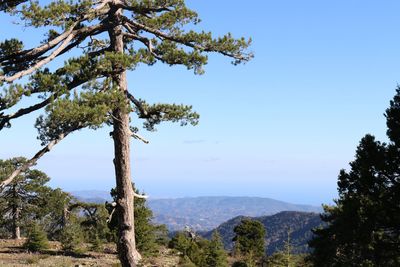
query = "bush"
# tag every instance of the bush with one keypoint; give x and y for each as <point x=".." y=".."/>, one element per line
<point x="37" y="239"/>
<point x="71" y="238"/>
<point x="239" y="264"/>
<point x="97" y="245"/>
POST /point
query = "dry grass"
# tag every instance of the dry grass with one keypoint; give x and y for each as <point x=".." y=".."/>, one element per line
<point x="12" y="254"/>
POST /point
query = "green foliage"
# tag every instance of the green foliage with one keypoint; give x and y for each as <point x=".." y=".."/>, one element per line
<point x="363" y="228"/>
<point x="281" y="259"/>
<point x="216" y="255"/>
<point x="93" y="222"/>
<point x="157" y="113"/>
<point x="159" y="36"/>
<point x="200" y="252"/>
<point x="37" y="239"/>
<point x="25" y="198"/>
<point x="150" y="31"/>
<point x="240" y="264"/>
<point x="148" y="235"/>
<point x="181" y="243"/>
<point x="249" y="238"/>
<point x="72" y="238"/>
<point x="285" y="257"/>
<point x="52" y="214"/>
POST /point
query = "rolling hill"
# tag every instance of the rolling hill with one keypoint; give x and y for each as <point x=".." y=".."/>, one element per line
<point x="277" y="226"/>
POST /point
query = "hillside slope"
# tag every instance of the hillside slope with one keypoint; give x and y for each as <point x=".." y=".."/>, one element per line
<point x="277" y="226"/>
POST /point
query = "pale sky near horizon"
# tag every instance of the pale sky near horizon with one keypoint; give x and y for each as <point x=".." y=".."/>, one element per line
<point x="280" y="126"/>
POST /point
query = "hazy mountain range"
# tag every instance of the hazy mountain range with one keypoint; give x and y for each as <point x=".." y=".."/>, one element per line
<point x="204" y="213"/>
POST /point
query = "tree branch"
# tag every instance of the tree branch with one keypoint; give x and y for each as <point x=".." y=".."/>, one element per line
<point x="33" y="160"/>
<point x="140" y="196"/>
<point x="137" y="136"/>
<point x="39" y="64"/>
<point x="179" y="40"/>
<point x="139" y="106"/>
<point x="5" y="119"/>
<point x="62" y="40"/>
<point x="142" y="10"/>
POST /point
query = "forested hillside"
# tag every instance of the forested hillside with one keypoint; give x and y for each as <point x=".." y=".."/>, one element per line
<point x="298" y="224"/>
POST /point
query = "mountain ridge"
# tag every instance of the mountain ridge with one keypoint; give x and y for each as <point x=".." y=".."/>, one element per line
<point x="205" y="212"/>
<point x="297" y="224"/>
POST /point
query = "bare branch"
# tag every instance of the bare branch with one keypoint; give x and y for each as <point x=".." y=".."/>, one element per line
<point x="114" y="205"/>
<point x="139" y="106"/>
<point x="137" y="136"/>
<point x="140" y="196"/>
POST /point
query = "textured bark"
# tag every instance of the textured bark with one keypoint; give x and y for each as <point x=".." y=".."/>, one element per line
<point x="16" y="229"/>
<point x="15" y="213"/>
<point x="127" y="252"/>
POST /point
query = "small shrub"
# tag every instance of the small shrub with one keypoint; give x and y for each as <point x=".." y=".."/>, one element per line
<point x="37" y="239"/>
<point x="71" y="239"/>
<point x="97" y="245"/>
<point x="239" y="264"/>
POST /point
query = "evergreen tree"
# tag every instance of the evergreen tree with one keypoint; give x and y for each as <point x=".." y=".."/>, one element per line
<point x="193" y="250"/>
<point x="181" y="243"/>
<point x="363" y="228"/>
<point x="53" y="215"/>
<point x="24" y="198"/>
<point x="37" y="239"/>
<point x="72" y="237"/>
<point x="93" y="221"/>
<point x="216" y="255"/>
<point x="250" y="239"/>
<point x="108" y="38"/>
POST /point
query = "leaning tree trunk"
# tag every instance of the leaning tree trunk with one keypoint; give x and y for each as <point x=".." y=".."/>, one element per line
<point x="126" y="244"/>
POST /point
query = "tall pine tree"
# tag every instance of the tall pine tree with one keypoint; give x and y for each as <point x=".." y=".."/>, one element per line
<point x="91" y="90"/>
<point x="363" y="228"/>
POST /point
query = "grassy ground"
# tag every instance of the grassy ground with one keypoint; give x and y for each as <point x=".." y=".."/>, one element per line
<point x="12" y="254"/>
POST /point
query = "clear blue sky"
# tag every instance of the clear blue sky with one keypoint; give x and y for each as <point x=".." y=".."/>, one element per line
<point x="281" y="126"/>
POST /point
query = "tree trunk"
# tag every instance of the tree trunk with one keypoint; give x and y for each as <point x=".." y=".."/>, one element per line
<point x="16" y="229"/>
<point x="15" y="213"/>
<point x="126" y="244"/>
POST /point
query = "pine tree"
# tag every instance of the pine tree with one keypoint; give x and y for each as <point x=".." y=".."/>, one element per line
<point x="72" y="237"/>
<point x="250" y="238"/>
<point x="54" y="213"/>
<point x="249" y="242"/>
<point x="363" y="228"/>
<point x="216" y="255"/>
<point x="37" y="239"/>
<point x="25" y="197"/>
<point x="90" y="90"/>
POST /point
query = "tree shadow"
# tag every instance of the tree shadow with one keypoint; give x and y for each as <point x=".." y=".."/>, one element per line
<point x="14" y="250"/>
